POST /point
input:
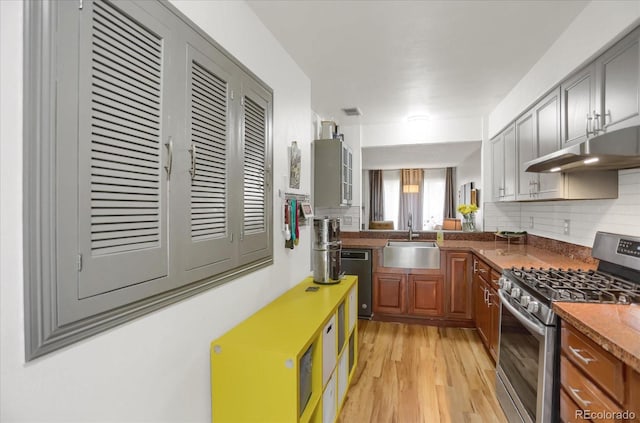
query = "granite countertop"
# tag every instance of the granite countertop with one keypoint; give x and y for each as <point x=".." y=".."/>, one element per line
<point x="499" y="254"/>
<point x="616" y="328"/>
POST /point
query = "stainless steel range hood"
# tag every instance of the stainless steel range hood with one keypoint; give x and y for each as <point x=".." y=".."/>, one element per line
<point x="614" y="150"/>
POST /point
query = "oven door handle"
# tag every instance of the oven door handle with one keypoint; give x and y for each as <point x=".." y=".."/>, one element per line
<point x="533" y="327"/>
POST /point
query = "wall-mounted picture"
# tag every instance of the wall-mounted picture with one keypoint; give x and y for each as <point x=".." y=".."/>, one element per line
<point x="294" y="166"/>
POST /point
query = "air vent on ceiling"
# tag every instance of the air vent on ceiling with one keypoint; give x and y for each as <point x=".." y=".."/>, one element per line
<point x="352" y="111"/>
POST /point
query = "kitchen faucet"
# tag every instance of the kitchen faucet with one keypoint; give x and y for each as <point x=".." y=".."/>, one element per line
<point x="410" y="225"/>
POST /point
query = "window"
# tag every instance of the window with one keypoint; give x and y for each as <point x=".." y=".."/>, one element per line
<point x="433" y="197"/>
<point x="147" y="167"/>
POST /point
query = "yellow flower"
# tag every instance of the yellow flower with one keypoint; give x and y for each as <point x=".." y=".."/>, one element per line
<point x="466" y="209"/>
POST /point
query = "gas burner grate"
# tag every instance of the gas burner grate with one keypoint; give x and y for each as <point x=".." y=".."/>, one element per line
<point x="579" y="285"/>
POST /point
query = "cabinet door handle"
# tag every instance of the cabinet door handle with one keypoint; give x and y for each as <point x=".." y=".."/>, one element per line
<point x="575" y="392"/>
<point x="576" y="354"/>
<point x="489" y="295"/>
<point x="588" y="121"/>
<point x="596" y="123"/>
<point x="486" y="296"/>
<point x="169" y="165"/>
<point x="475" y="266"/>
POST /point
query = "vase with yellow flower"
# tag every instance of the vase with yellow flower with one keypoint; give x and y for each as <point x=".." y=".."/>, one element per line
<point x="468" y="212"/>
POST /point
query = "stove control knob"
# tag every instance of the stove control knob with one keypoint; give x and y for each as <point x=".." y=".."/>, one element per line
<point x="533" y="307"/>
<point x="505" y="284"/>
<point x="515" y="293"/>
<point x="525" y="300"/>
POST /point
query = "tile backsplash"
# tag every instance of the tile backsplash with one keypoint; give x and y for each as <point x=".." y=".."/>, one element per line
<point x="585" y="217"/>
<point x="349" y="216"/>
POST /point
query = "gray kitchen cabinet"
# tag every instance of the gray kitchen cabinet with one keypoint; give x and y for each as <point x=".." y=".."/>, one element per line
<point x="546" y="114"/>
<point x="578" y="95"/>
<point x="527" y="150"/>
<point x="333" y="173"/>
<point x="504" y="165"/>
<point x="618" y="85"/>
<point x="158" y="155"/>
<point x="538" y="134"/>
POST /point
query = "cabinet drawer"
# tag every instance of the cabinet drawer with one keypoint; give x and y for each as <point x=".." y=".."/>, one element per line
<point x="569" y="410"/>
<point x="600" y="365"/>
<point x="585" y="393"/>
<point x="484" y="271"/>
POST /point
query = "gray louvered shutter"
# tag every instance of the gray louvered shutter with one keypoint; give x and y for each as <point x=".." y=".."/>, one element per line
<point x="256" y="179"/>
<point x="122" y="187"/>
<point x="209" y="154"/>
<point x="206" y="246"/>
<point x="254" y="210"/>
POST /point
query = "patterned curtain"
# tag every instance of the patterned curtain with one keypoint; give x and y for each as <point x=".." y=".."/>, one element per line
<point x="411" y="197"/>
<point x="449" y="198"/>
<point x="376" y="196"/>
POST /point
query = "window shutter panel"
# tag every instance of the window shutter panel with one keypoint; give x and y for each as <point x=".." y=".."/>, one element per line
<point x="209" y="137"/>
<point x="256" y="241"/>
<point x="202" y="203"/>
<point x="121" y="152"/>
<point x="255" y="127"/>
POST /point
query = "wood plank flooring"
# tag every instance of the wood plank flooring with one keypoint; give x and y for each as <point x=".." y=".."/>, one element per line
<point x="413" y="373"/>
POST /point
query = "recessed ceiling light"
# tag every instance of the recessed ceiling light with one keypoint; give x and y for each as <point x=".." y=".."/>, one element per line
<point x="352" y="111"/>
<point x="591" y="160"/>
<point x="555" y="169"/>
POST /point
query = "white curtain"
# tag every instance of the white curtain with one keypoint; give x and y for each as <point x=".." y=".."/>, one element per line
<point x="433" y="201"/>
<point x="391" y="186"/>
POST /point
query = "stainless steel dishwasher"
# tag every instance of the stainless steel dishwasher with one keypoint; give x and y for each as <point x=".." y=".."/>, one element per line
<point x="358" y="262"/>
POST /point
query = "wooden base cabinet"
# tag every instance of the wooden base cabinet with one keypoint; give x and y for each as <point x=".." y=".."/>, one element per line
<point x="426" y="295"/>
<point x="291" y="361"/>
<point x="389" y="293"/>
<point x="459" y="286"/>
<point x="594" y="382"/>
<point x="437" y="296"/>
<point x="487" y="305"/>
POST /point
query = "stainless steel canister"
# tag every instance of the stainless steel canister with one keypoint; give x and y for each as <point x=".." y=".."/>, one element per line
<point x="326" y="250"/>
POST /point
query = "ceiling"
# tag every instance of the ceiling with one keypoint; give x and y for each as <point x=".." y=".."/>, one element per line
<point x="423" y="156"/>
<point x="394" y="59"/>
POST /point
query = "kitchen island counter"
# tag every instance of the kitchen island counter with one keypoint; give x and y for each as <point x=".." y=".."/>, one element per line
<point x="616" y="328"/>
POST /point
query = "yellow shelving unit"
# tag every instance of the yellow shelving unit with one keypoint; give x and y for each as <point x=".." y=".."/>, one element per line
<point x="258" y="366"/>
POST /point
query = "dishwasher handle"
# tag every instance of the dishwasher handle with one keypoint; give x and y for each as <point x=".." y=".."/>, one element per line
<point x="354" y="255"/>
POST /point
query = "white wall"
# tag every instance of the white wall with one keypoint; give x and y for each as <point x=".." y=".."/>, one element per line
<point x="156" y="368"/>
<point x="586" y="217"/>
<point x="594" y="29"/>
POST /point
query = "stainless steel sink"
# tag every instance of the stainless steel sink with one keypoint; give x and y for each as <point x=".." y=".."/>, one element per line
<point x="411" y="255"/>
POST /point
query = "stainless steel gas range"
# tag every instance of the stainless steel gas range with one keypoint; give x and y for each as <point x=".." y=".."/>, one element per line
<point x="527" y="381"/>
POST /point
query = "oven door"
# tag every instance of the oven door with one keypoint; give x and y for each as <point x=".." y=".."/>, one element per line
<point x="526" y="365"/>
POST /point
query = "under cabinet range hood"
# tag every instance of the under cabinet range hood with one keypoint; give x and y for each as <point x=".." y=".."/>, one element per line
<point x="610" y="151"/>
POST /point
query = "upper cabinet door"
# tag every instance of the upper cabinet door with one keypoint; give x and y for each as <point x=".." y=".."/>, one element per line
<point x="527" y="150"/>
<point x="124" y="144"/>
<point x="497" y="167"/>
<point x="547" y="133"/>
<point x="578" y="104"/>
<point x="618" y="77"/>
<point x="510" y="160"/>
<point x="256" y="234"/>
<point x="202" y="178"/>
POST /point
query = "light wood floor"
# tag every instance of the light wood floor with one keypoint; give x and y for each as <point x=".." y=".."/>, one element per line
<point x="414" y="373"/>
